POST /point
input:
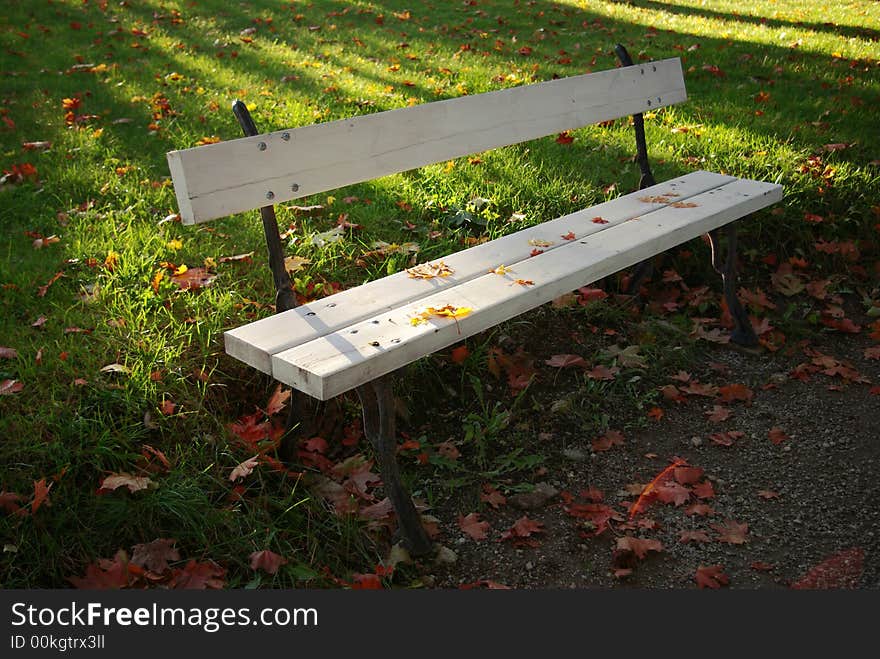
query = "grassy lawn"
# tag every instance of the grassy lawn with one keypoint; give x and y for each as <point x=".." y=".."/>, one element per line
<point x="112" y="365"/>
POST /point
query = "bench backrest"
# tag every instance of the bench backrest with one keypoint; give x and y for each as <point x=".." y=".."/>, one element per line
<point x="217" y="180"/>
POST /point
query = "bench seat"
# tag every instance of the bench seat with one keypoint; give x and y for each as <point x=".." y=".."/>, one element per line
<point x="340" y="342"/>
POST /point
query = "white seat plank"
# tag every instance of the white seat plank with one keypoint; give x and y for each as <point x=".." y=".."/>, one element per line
<point x="256" y="342"/>
<point x="342" y="360"/>
<point x="217" y="180"/>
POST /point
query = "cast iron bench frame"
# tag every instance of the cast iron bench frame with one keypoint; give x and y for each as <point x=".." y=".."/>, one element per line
<point x="263" y="344"/>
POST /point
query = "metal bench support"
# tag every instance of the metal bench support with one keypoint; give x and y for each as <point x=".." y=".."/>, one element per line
<point x="377" y="400"/>
<point x="742" y="334"/>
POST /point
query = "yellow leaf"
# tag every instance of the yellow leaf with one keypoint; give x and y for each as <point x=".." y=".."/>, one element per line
<point x="295" y="263"/>
<point x="501" y="270"/>
<point x="175" y="244"/>
<point x="180" y="270"/>
<point x="160" y="275"/>
<point x="112" y="260"/>
<point x="210" y="262"/>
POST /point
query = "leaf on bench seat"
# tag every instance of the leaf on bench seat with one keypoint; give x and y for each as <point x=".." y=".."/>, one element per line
<point x="429" y="270"/>
<point x="449" y="311"/>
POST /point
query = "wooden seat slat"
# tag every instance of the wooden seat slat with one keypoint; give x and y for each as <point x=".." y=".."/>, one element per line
<point x="364" y="351"/>
<point x="256" y="342"/>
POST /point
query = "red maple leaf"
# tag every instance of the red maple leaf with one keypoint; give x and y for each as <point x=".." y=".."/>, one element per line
<point x="671" y="492"/>
<point x="459" y="354"/>
<point x="732" y="532"/>
<point x="251" y="428"/>
<point x="693" y="536"/>
<point x="726" y="438"/>
<point x="606" y="441"/>
<point x="367" y="581"/>
<point x="473" y="527"/>
<point x="522" y="528"/>
<point x="700" y="509"/>
<point x="104" y="574"/>
<point x="564" y="137"/>
<point x="735" y="391"/>
<point x="638" y="546"/>
<point x="840" y="571"/>
<point x="277" y="401"/>
<point x="199" y="576"/>
<point x="718" y="414"/>
<point x="598" y="514"/>
<point x="704" y="490"/>
<point x="492" y="496"/>
<point x="711" y="576"/>
<point x="266" y="560"/>
<point x="687" y="475"/>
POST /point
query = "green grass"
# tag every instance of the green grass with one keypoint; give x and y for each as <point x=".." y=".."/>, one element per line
<point x="770" y="85"/>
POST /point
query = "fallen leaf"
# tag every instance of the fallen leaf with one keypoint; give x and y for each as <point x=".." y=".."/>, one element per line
<point x="430" y="270"/>
<point x="278" y="400"/>
<point x="687" y="475"/>
<point x="638" y="546"/>
<point x="523" y="528"/>
<point x="123" y="479"/>
<point x="41" y="495"/>
<point x="199" y="576"/>
<point x="602" y="372"/>
<point x="607" y="440"/>
<point x="192" y="278"/>
<point x="105" y="574"/>
<point x="670" y="492"/>
<point x="711" y="576"/>
<point x="693" y="536"/>
<point x="732" y="392"/>
<point x="473" y="526"/>
<point x="155" y="555"/>
<point x="266" y="560"/>
<point x="718" y="414"/>
<point x="492" y="496"/>
<point x="459" y="354"/>
<point x="732" y="532"/>
<point x="244" y="468"/>
<point x="777" y="435"/>
<point x="8" y="387"/>
<point x="563" y="361"/>
<point x="115" y="368"/>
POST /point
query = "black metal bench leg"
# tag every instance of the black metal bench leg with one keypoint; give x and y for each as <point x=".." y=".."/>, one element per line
<point x="377" y="399"/>
<point x="742" y="334"/>
<point x="285" y="298"/>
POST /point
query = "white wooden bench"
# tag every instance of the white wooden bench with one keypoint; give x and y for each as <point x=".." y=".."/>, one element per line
<point x="357" y="338"/>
